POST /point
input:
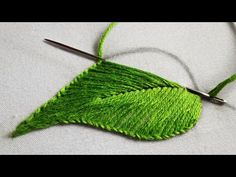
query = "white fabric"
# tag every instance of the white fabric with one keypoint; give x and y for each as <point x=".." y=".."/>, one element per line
<point x="31" y="72"/>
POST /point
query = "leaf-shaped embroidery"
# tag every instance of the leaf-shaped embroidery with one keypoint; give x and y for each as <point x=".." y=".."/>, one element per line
<point x="121" y="99"/>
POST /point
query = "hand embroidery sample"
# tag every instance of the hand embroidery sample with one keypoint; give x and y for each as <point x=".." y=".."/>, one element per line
<point x="121" y="99"/>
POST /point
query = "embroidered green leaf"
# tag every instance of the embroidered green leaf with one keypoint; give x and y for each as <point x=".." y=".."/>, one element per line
<point x="120" y="99"/>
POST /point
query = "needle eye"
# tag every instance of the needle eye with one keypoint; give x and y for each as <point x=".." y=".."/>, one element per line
<point x="207" y="97"/>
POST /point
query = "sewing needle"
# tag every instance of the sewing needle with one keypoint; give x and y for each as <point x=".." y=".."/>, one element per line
<point x="203" y="95"/>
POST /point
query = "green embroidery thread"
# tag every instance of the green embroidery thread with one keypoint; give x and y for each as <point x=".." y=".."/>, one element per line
<point x="220" y="86"/>
<point x="121" y="99"/>
<point x="103" y="39"/>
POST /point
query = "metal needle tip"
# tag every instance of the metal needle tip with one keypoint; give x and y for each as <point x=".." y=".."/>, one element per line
<point x="71" y="49"/>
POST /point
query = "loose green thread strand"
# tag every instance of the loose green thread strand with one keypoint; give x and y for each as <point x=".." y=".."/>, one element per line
<point x="103" y="39"/>
<point x="220" y="86"/>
